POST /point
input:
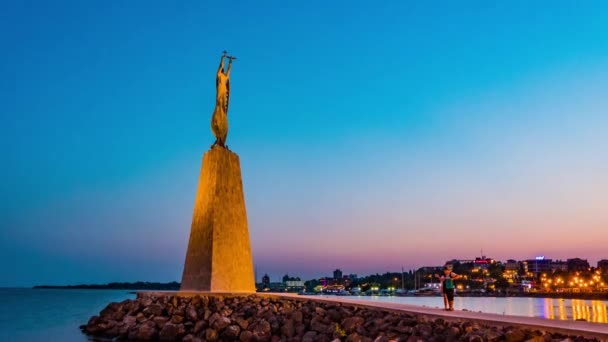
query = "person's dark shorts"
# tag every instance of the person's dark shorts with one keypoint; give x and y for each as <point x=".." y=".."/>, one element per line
<point x="450" y="294"/>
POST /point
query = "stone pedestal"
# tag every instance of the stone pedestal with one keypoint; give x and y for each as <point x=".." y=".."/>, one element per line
<point x="219" y="254"/>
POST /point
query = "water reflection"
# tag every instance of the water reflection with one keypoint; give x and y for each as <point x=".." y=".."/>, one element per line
<point x="550" y="308"/>
<point x="574" y="309"/>
<point x="588" y="310"/>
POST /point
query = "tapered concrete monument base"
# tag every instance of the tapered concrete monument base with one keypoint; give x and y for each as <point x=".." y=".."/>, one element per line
<point x="219" y="254"/>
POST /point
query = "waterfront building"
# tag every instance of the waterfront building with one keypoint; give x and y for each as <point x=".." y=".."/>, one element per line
<point x="577" y="265"/>
<point x="286" y="278"/>
<point x="538" y="265"/>
<point x="511" y="270"/>
<point x="430" y="269"/>
<point x="338" y="274"/>
<point x="483" y="261"/>
<point x="559" y="265"/>
<point x="294" y="285"/>
<point x="512" y="265"/>
<point x="265" y="282"/>
<point x="602" y="265"/>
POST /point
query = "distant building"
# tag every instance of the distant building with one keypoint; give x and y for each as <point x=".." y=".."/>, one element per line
<point x="294" y="285"/>
<point x="511" y="270"/>
<point x="430" y="269"/>
<point x="577" y="265"/>
<point x="265" y="282"/>
<point x="537" y="266"/>
<point x="483" y="261"/>
<point x="602" y="265"/>
<point x="287" y="278"/>
<point x="338" y="274"/>
<point x="559" y="265"/>
<point x="512" y="265"/>
<point x="325" y="281"/>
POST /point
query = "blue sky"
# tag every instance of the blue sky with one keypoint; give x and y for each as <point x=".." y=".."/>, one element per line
<point x="371" y="135"/>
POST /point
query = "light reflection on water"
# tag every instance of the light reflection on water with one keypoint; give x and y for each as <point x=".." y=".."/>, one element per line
<point x="550" y="308"/>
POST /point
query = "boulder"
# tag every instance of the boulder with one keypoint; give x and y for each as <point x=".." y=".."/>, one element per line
<point x="243" y="323"/>
<point x="246" y="336"/>
<point x="211" y="335"/>
<point x="177" y="319"/>
<point x="350" y="324"/>
<point x="232" y="331"/>
<point x="309" y="336"/>
<point x="288" y="329"/>
<point x="147" y="331"/>
<point x="515" y="335"/>
<point x="160" y="321"/>
<point x="199" y="326"/>
<point x="261" y="330"/>
<point x="171" y="332"/>
<point x="221" y="323"/>
<point x="191" y="314"/>
<point x="154" y="309"/>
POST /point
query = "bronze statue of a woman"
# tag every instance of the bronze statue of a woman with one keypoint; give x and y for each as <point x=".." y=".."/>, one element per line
<point x="219" y="120"/>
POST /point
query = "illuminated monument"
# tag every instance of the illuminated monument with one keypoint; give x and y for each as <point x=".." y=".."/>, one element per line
<point x="219" y="255"/>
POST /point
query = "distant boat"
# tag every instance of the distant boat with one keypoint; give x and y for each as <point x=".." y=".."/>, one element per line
<point x="343" y="293"/>
<point x="404" y="293"/>
<point x="427" y="292"/>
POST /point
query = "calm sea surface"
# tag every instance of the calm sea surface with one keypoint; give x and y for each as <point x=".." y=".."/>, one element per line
<point x="54" y="315"/>
<point x="51" y="315"/>
<point x="549" y="308"/>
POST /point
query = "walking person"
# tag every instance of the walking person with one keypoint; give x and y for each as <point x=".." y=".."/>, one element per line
<point x="447" y="287"/>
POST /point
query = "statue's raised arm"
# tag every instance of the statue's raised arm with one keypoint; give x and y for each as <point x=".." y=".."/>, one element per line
<point x="229" y="68"/>
<point x="221" y="67"/>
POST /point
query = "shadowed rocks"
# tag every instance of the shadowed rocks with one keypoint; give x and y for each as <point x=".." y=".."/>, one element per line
<point x="255" y="318"/>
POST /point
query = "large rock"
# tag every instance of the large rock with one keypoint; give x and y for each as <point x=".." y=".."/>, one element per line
<point x="172" y="332"/>
<point x="515" y="335"/>
<point x="246" y="336"/>
<point x="309" y="336"/>
<point x="232" y="331"/>
<point x="160" y="321"/>
<point x="350" y="324"/>
<point x="211" y="335"/>
<point x="191" y="313"/>
<point x="147" y="331"/>
<point x="221" y="323"/>
<point x="261" y="330"/>
<point x="154" y="309"/>
<point x="288" y="329"/>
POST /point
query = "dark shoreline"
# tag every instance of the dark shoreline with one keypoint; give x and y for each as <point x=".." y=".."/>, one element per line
<point x="174" y="286"/>
<point x="140" y="285"/>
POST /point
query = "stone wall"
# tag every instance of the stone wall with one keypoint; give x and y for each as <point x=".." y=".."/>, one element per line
<point x="213" y="317"/>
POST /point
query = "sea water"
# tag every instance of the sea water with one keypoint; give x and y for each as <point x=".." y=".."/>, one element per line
<point x="550" y="308"/>
<point x="51" y="315"/>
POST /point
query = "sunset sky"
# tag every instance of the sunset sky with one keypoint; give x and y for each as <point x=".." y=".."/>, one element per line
<point x="371" y="135"/>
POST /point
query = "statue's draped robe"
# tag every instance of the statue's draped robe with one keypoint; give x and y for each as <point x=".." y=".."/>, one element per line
<point x="219" y="120"/>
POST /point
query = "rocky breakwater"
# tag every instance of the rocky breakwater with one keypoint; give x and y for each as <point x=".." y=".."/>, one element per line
<point x="266" y="318"/>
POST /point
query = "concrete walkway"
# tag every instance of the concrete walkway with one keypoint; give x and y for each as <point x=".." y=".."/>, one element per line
<point x="597" y="330"/>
